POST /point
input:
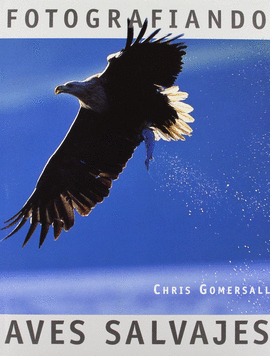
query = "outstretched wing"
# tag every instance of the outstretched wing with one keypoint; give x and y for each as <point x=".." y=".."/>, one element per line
<point x="148" y="61"/>
<point x="77" y="176"/>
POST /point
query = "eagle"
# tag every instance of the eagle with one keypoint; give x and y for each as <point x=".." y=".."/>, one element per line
<point x="131" y="101"/>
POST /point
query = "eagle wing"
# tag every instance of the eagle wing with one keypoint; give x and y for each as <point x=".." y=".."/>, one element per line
<point x="77" y="176"/>
<point x="146" y="62"/>
<point x="135" y="78"/>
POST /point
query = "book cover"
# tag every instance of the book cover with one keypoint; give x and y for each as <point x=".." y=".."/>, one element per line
<point x="175" y="259"/>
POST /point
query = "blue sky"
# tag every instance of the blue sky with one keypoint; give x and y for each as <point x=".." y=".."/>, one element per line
<point x="205" y="200"/>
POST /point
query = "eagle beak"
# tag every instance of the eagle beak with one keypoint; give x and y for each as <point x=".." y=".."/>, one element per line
<point x="59" y="89"/>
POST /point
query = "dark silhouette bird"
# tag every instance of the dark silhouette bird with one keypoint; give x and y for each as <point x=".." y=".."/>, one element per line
<point x="131" y="101"/>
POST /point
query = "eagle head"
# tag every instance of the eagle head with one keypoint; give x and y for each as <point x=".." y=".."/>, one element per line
<point x="89" y="92"/>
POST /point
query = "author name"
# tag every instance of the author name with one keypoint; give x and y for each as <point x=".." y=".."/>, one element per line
<point x="205" y="289"/>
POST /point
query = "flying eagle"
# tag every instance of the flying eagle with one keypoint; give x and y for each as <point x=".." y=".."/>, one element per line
<point x="131" y="101"/>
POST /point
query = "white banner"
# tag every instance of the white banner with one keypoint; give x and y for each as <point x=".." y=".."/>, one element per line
<point x="245" y="19"/>
<point x="106" y="335"/>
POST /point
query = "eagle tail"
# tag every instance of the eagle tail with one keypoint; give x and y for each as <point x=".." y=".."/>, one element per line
<point x="176" y="127"/>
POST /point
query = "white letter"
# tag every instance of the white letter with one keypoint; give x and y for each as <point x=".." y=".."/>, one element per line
<point x="155" y="289"/>
<point x="203" y="289"/>
<point x="165" y="290"/>
<point x="221" y="290"/>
